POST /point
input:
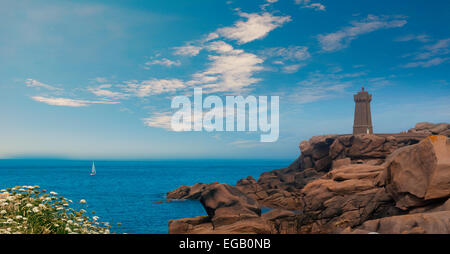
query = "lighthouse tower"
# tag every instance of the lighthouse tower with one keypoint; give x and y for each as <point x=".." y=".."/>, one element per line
<point x="363" y="118"/>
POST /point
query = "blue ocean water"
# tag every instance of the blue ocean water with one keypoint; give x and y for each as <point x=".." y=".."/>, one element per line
<point x="126" y="191"/>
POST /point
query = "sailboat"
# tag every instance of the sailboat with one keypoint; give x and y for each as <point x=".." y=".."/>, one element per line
<point x="93" y="169"/>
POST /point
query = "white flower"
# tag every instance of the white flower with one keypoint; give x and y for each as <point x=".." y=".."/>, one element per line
<point x="19" y="217"/>
<point x="53" y="193"/>
<point x="3" y="212"/>
<point x="59" y="208"/>
<point x="70" y="221"/>
<point x="95" y="217"/>
<point x="82" y="201"/>
<point x="29" y="205"/>
<point x="35" y="210"/>
<point x="68" y="230"/>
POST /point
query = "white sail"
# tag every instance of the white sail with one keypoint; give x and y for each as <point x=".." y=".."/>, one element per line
<point x="93" y="169"/>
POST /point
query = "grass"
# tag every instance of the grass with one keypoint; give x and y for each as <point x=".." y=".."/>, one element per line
<point x="30" y="210"/>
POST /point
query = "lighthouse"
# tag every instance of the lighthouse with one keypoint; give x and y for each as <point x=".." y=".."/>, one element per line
<point x="363" y="118"/>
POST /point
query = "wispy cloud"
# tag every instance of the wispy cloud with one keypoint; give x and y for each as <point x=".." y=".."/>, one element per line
<point x="430" y="55"/>
<point x="164" y="61"/>
<point x="256" y="26"/>
<point x="310" y="5"/>
<point x="159" y="120"/>
<point x="319" y="86"/>
<point x="100" y="79"/>
<point x="67" y="102"/>
<point x="293" y="68"/>
<point x="188" y="50"/>
<point x="230" y="70"/>
<point x="414" y="37"/>
<point x="427" y="63"/>
<point x="153" y="87"/>
<point x="291" y="53"/>
<point x="104" y="91"/>
<point x="290" y="58"/>
<point x="343" y="37"/>
<point x="34" y="83"/>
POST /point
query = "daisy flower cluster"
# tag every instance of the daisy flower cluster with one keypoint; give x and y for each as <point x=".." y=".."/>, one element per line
<point x="31" y="210"/>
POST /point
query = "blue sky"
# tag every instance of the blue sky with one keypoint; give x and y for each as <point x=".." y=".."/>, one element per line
<point x="94" y="79"/>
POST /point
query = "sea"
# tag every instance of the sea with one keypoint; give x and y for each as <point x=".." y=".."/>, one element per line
<point x="127" y="192"/>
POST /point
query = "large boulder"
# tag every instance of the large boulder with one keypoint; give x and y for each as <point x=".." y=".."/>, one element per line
<point x="229" y="211"/>
<point x="226" y="204"/>
<point x="417" y="174"/>
<point x="431" y="129"/>
<point x="187" y="192"/>
<point x="419" y="223"/>
<point x="346" y="196"/>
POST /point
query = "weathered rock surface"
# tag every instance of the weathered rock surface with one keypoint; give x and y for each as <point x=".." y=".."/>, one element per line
<point x="228" y="209"/>
<point x="187" y="192"/>
<point x="431" y="129"/>
<point x="322" y="152"/>
<point x="420" y="223"/>
<point x="417" y="174"/>
<point x="397" y="183"/>
<point x="346" y="196"/>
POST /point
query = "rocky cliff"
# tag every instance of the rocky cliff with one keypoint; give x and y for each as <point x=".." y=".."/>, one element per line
<point x="387" y="183"/>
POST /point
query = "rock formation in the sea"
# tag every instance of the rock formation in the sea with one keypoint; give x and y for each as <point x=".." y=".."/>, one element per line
<point x="386" y="183"/>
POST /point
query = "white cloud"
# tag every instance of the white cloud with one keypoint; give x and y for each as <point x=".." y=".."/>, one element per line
<point x="289" y="58"/>
<point x="159" y="120"/>
<point x="154" y="86"/>
<point x="413" y="37"/>
<point x="308" y="4"/>
<point x="342" y="38"/>
<point x="292" y="68"/>
<point x="231" y="70"/>
<point x="441" y="47"/>
<point x="188" y="50"/>
<point x="255" y="27"/>
<point x="34" y="83"/>
<point x="103" y="91"/>
<point x="430" y="55"/>
<point x="221" y="47"/>
<point x="426" y="64"/>
<point x="164" y="61"/>
<point x="291" y="53"/>
<point x="68" y="102"/>
<point x="164" y="121"/>
<point x="101" y="80"/>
